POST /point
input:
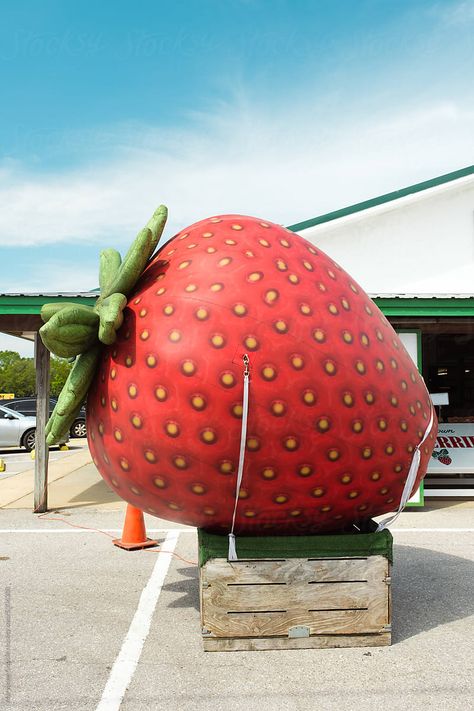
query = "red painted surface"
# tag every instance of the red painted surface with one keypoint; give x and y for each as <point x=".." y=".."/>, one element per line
<point x="336" y="404"/>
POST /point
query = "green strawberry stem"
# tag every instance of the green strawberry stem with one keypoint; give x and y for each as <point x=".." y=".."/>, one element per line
<point x="78" y="332"/>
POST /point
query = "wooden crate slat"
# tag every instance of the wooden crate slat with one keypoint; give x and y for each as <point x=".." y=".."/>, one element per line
<point x="249" y="644"/>
<point x="270" y="596"/>
<point x="265" y="571"/>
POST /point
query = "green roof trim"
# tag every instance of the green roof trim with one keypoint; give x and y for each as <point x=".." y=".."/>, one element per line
<point x="32" y="304"/>
<point x="425" y="307"/>
<point x="388" y="197"/>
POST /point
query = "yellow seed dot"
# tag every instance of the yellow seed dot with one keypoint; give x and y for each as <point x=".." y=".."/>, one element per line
<point x="271" y="296"/>
<point x="137" y="300"/>
<point x="295" y="512"/>
<point x="226" y="467"/>
<point x="366" y="452"/>
<point x="145" y="335"/>
<point x="237" y="410"/>
<point x="253" y="443"/>
<point x="137" y="421"/>
<point x="357" y="426"/>
<point x="347" y="336"/>
<point x="398" y="468"/>
<point x="135" y="491"/>
<point x="268" y="473"/>
<point x="237" y="227"/>
<point x="173" y="506"/>
<point x="353" y="494"/>
<point x="305" y="309"/>
<point x="151" y="361"/>
<point x="172" y="429"/>
<point x="132" y="390"/>
<point x="103" y="401"/>
<point x="382" y="424"/>
<point x="190" y="288"/>
<point x="224" y="262"/>
<point x="209" y="511"/>
<point x="309" y="397"/>
<point x="281" y="326"/>
<point x="326" y="508"/>
<point x="211" y="250"/>
<point x="285" y="243"/>
<point x="353" y="288"/>
<point x="124" y="464"/>
<point x="198" y="402"/>
<point x="264" y="243"/>
<point x="175" y="336"/>
<point x="113" y="373"/>
<point x="142" y="313"/>
<point x="129" y="361"/>
<point x="322" y="287"/>
<point x="268" y="372"/>
<point x="404" y="385"/>
<point x="293" y="279"/>
<point x="192" y="246"/>
<point x="379" y="334"/>
<point x="255" y="276"/>
<point x="307" y="265"/>
<point x="114" y="404"/>
<point x="185" y="264"/>
<point x="243" y="494"/>
<point x="384" y="490"/>
<point x="368" y="310"/>
<point x="227" y="379"/>
<point x="348" y="399"/>
<point x="230" y="242"/>
<point x="251" y="343"/>
<point x="188" y="367"/>
<point x="280" y="499"/>
<point x="330" y="367"/>
<point x="332" y="308"/>
<point x="305" y="470"/>
<point x="202" y="314"/>
<point x="319" y="335"/>
<point x="403" y="426"/>
<point x="291" y="443"/>
<point x="198" y="489"/>
<point x="250" y="514"/>
<point x="333" y="455"/>
<point x="331" y="274"/>
<point x="183" y="236"/>
<point x="114" y="482"/>
<point x="281" y="265"/>
<point x="150" y="456"/>
<point x="375" y="476"/>
<point x="393" y="363"/>
<point x="363" y="507"/>
<point x="217" y="340"/>
<point x="379" y="366"/>
<point x="208" y="436"/>
<point x="215" y="219"/>
<point x="346" y="478"/>
<point x="240" y="309"/>
<point x="364" y="339"/>
<point x="413" y="377"/>
<point x="389" y="449"/>
<point x="118" y="435"/>
<point x="323" y="424"/>
<point x="345" y="304"/>
<point x="394" y="401"/>
<point x="168" y="310"/>
<point x="217" y="287"/>
<point x="412" y="410"/>
<point x="297" y="362"/>
<point x="206" y="235"/>
<point x="278" y="408"/>
<point x="360" y="367"/>
<point x="180" y="462"/>
<point x="319" y="491"/>
<point x="161" y="393"/>
<point x="369" y="398"/>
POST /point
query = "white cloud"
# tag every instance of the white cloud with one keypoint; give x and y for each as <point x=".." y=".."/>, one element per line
<point x="285" y="166"/>
<point x="20" y="345"/>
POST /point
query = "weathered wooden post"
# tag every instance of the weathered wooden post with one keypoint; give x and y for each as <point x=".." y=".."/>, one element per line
<point x="42" y="361"/>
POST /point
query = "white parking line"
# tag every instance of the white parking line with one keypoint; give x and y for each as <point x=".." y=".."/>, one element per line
<point x="91" y="530"/>
<point x="124" y="666"/>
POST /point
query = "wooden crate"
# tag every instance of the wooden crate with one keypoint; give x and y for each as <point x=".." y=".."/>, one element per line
<point x="295" y="603"/>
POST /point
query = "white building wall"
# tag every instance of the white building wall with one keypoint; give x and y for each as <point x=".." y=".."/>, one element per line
<point x="423" y="243"/>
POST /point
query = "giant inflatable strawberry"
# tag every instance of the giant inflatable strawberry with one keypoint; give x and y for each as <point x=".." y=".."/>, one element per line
<point x="336" y="408"/>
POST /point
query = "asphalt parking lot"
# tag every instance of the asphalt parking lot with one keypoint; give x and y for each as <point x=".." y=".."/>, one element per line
<point x="85" y="625"/>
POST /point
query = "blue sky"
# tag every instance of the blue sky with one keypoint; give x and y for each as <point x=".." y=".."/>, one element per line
<point x="279" y="108"/>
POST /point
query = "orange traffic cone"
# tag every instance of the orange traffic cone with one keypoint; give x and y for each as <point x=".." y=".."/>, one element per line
<point x="134" y="533"/>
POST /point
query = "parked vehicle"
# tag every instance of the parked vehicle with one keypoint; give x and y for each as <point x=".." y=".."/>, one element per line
<point x="17" y="430"/>
<point x="27" y="406"/>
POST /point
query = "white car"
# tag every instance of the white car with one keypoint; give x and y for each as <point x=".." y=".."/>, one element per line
<point x="17" y="430"/>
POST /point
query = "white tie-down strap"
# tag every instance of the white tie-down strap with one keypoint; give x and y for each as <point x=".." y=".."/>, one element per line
<point x="411" y="478"/>
<point x="232" y="554"/>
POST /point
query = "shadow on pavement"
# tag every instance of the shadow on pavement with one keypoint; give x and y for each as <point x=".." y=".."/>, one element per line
<point x="429" y="589"/>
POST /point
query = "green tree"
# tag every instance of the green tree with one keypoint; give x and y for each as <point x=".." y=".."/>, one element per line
<point x="18" y="376"/>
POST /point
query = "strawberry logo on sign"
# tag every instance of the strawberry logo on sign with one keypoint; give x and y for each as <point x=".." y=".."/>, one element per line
<point x="442" y="456"/>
